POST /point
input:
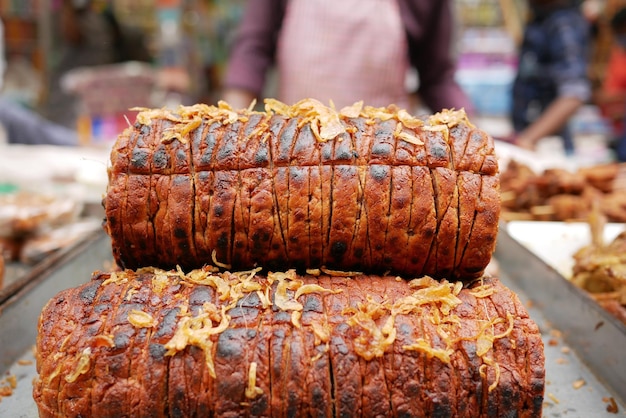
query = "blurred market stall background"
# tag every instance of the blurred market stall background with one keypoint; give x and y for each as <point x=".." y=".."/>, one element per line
<point x="174" y="52"/>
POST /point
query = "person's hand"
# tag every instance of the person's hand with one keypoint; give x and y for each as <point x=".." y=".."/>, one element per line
<point x="525" y="143"/>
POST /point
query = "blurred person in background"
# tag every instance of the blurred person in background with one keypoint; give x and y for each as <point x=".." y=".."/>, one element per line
<point x="24" y="126"/>
<point x="346" y="51"/>
<point x="612" y="97"/>
<point x="552" y="80"/>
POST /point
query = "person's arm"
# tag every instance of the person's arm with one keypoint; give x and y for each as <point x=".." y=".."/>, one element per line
<point x="551" y="120"/>
<point x="430" y="33"/>
<point x="252" y="52"/>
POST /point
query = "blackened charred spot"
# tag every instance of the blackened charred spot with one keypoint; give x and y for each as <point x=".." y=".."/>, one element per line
<point x="358" y="252"/>
<point x="379" y="172"/>
<point x="327" y="153"/>
<point x="281" y="317"/>
<point x="160" y="159"/>
<point x="168" y="323"/>
<point x="101" y="307"/>
<point x="343" y="154"/>
<point x="253" y="121"/>
<point x="438" y="150"/>
<point x="226" y="151"/>
<point x="250" y="301"/>
<point x="180" y="180"/>
<point x="157" y="351"/>
<point x="229" y="343"/>
<point x="260" y="236"/>
<point x="88" y="294"/>
<point x="139" y="159"/>
<point x="275" y="246"/>
<point x="259" y="407"/>
<point x="428" y="232"/>
<point x="145" y="130"/>
<point x="196" y="136"/>
<point x="313" y="303"/>
<point x="292" y="404"/>
<point x="388" y="260"/>
<point x="245" y="314"/>
<point x="143" y="245"/>
<point x="443" y="410"/>
<point x="297" y="175"/>
<point x="286" y="138"/>
<point x="476" y="136"/>
<point x="205" y="159"/>
<point x="181" y="157"/>
<point x="218" y="210"/>
<point x="200" y="294"/>
<point x="121" y="340"/>
<point x="112" y="221"/>
<point x="316" y="260"/>
<point x="239" y="244"/>
<point x="405" y="329"/>
<point x="262" y="155"/>
<point x="293" y="239"/>
<point x="304" y="141"/>
<point x="183" y="246"/>
<point x="338" y="249"/>
<point x="401" y="202"/>
<point x="382" y="150"/>
<point x="178" y="397"/>
<point x="414" y="260"/>
<point x="222" y="241"/>
<point x="340" y="345"/>
<point x="180" y="233"/>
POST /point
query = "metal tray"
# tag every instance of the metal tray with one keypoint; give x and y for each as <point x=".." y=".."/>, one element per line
<point x="20" y="306"/>
<point x="582" y="342"/>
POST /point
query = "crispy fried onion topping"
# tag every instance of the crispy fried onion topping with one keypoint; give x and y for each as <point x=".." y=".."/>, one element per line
<point x="326" y="122"/>
<point x="374" y="323"/>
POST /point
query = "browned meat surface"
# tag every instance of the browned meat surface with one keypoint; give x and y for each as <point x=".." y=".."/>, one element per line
<point x="364" y="189"/>
<point x="153" y="344"/>
<point x="562" y="195"/>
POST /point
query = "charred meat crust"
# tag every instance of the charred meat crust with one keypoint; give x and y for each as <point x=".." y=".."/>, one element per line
<point x="311" y="365"/>
<point x="348" y="203"/>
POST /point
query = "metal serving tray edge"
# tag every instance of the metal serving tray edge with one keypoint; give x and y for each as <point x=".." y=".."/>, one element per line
<point x="19" y="312"/>
<point x="597" y="337"/>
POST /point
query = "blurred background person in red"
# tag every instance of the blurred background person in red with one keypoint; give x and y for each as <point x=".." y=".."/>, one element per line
<point x="347" y="51"/>
<point x="612" y="97"/>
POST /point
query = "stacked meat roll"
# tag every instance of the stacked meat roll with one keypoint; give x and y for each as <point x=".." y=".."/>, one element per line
<point x="153" y="344"/>
<point x="303" y="262"/>
<point x="305" y="186"/>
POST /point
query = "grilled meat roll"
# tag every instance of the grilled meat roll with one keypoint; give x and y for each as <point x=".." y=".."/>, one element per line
<point x="207" y="343"/>
<point x="304" y="186"/>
